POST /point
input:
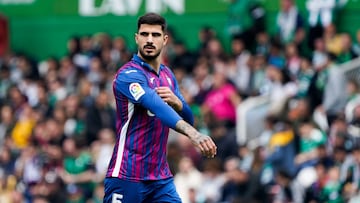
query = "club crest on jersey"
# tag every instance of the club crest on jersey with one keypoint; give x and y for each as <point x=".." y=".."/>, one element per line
<point x="136" y="90"/>
<point x="152" y="80"/>
<point x="169" y="80"/>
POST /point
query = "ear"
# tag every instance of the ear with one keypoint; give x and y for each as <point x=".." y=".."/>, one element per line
<point x="136" y="38"/>
<point x="166" y="37"/>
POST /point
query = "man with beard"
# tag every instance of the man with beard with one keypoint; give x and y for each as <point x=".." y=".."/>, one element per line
<point x="149" y="103"/>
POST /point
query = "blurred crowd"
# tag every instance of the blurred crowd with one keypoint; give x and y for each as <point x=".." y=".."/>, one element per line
<point x="57" y="116"/>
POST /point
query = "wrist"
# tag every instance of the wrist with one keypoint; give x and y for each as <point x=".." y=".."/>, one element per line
<point x="194" y="136"/>
<point x="179" y="106"/>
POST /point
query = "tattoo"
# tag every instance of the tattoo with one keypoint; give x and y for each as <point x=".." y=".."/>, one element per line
<point x="185" y="128"/>
<point x="182" y="127"/>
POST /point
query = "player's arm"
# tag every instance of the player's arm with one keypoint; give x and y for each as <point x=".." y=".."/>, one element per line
<point x="185" y="112"/>
<point x="177" y="101"/>
<point x="134" y="86"/>
<point x="132" y="83"/>
<point x="201" y="141"/>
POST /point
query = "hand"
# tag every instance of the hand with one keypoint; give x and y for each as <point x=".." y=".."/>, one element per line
<point x="300" y="158"/>
<point x="169" y="97"/>
<point x="66" y="177"/>
<point x="205" y="144"/>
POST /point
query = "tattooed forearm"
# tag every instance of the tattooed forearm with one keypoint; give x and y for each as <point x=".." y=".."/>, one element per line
<point x="203" y="142"/>
<point x="185" y="128"/>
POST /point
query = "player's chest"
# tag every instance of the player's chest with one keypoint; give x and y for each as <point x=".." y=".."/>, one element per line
<point x="162" y="79"/>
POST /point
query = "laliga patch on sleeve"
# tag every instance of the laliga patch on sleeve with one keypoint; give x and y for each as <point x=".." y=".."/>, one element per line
<point x="136" y="90"/>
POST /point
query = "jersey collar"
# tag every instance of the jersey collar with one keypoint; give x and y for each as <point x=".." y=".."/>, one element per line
<point x="141" y="62"/>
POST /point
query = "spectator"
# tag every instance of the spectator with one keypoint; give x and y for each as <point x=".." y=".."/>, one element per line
<point x="7" y="162"/>
<point x="102" y="149"/>
<point x="96" y="74"/>
<point x="224" y="138"/>
<point x="304" y="77"/>
<point x="240" y="75"/>
<point x="183" y="58"/>
<point x="82" y="58"/>
<point x="188" y="178"/>
<point x="333" y="41"/>
<point x="203" y="79"/>
<point x="86" y="92"/>
<point x="213" y="180"/>
<point x="73" y="46"/>
<point x="78" y="171"/>
<point x="257" y="75"/>
<point x="28" y="165"/>
<point x="184" y="148"/>
<point x="281" y="151"/>
<point x="332" y="190"/>
<point x="293" y="60"/>
<point x="21" y="133"/>
<point x="353" y="91"/>
<point x="119" y="53"/>
<point x="346" y="54"/>
<point x="67" y="72"/>
<point x="206" y="33"/>
<point x="7" y="122"/>
<point x="356" y="44"/>
<point x="353" y="126"/>
<point x="278" y="87"/>
<point x="222" y="99"/>
<point x="287" y="189"/>
<point x="310" y="139"/>
<point x="5" y="81"/>
<point x="245" y="19"/>
<point x="99" y="115"/>
<point x="318" y="82"/>
<point x="262" y="44"/>
<point x="98" y="194"/>
<point x="214" y="51"/>
<point x="235" y="187"/>
<point x="319" y="55"/>
<point x="73" y="121"/>
<point x="321" y="14"/>
<point x="334" y="98"/>
<point x="289" y="23"/>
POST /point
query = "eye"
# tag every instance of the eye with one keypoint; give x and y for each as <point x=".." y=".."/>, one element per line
<point x="144" y="34"/>
<point x="156" y="34"/>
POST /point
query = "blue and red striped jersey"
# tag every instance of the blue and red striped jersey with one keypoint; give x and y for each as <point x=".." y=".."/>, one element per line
<point x="143" y="122"/>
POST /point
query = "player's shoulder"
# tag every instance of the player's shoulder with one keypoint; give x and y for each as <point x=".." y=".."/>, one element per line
<point x="129" y="69"/>
<point x="167" y="69"/>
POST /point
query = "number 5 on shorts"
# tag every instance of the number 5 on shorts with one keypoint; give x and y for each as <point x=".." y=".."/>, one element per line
<point x="116" y="198"/>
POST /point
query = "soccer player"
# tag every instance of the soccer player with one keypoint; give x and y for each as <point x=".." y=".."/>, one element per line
<point x="148" y="102"/>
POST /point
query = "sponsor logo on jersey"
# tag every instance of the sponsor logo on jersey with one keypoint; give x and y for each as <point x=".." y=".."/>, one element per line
<point x="130" y="71"/>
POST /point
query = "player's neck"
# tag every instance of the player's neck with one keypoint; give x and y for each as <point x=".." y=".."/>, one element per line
<point x="154" y="64"/>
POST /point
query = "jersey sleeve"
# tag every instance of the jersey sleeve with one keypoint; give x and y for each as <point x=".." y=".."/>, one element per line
<point x="186" y="112"/>
<point x="132" y="83"/>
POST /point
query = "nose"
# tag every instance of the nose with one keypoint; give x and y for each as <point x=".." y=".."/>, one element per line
<point x="149" y="39"/>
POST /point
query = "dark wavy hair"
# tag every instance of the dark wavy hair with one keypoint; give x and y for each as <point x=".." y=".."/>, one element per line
<point x="152" y="19"/>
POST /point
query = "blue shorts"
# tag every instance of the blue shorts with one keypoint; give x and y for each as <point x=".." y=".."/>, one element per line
<point x="124" y="191"/>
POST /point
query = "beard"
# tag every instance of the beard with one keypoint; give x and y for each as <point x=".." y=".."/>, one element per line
<point x="149" y="56"/>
